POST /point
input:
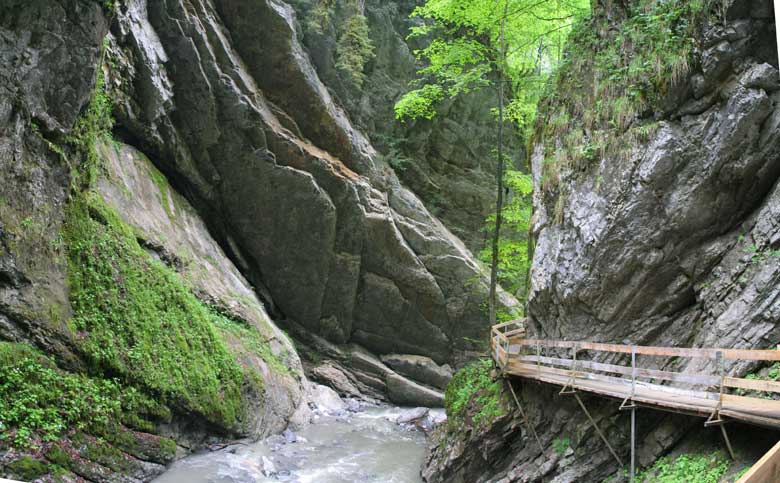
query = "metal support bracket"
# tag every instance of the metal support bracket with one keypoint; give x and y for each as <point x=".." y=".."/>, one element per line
<point x="525" y="417"/>
<point x="598" y="430"/>
<point x="572" y="375"/>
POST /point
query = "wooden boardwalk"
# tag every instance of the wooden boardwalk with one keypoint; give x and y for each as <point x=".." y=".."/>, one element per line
<point x="577" y="366"/>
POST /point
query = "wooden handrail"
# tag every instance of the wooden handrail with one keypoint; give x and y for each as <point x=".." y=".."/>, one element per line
<point x="732" y="354"/>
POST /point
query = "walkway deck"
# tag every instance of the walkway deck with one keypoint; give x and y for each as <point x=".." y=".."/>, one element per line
<point x="706" y="395"/>
<point x="716" y="396"/>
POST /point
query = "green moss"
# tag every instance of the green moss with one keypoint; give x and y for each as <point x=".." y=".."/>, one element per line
<point x="27" y="468"/>
<point x="59" y="456"/>
<point x="473" y="396"/>
<point x="103" y="453"/>
<point x="251" y="339"/>
<point x="37" y="400"/>
<point x="167" y="448"/>
<point x="136" y="318"/>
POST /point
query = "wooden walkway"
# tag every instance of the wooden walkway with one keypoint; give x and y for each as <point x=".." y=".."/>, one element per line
<point x="576" y="366"/>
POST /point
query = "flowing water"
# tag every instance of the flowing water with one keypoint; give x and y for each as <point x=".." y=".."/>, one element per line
<point x="367" y="446"/>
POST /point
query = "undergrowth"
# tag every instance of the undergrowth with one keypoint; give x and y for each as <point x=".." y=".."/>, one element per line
<point x="685" y="468"/>
<point x="42" y="401"/>
<point x="605" y="96"/>
<point x="473" y="397"/>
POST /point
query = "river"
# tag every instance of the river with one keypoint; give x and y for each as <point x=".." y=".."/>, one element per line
<point x="367" y="446"/>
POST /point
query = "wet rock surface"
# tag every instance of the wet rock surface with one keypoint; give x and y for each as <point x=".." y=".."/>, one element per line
<point x="419" y="368"/>
<point x="322" y="224"/>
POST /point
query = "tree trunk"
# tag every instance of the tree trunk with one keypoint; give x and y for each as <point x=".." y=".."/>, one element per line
<point x="492" y="303"/>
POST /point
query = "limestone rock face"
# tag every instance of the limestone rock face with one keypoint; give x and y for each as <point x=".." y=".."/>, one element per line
<point x="39" y="41"/>
<point x="447" y="162"/>
<point x="171" y="230"/>
<point x="674" y="244"/>
<point x="223" y="96"/>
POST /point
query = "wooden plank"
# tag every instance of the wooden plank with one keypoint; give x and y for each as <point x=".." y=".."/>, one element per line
<point x="766" y="469"/>
<point x="627" y="371"/>
<point x="754" y="405"/>
<point x="734" y="354"/>
<point x="752" y="384"/>
<point x="620" y="382"/>
<point x="515" y="332"/>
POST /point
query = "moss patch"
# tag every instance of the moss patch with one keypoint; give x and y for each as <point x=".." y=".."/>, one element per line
<point x="473" y="396"/>
<point x="27" y="468"/>
<point x="604" y="98"/>
<point x="135" y="317"/>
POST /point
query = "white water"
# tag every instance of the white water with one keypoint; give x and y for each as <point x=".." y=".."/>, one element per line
<point x="363" y="447"/>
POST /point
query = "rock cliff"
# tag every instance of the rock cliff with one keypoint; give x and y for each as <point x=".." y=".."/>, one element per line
<point x="447" y="161"/>
<point x="225" y="98"/>
<point x="654" y="225"/>
<point x="176" y="179"/>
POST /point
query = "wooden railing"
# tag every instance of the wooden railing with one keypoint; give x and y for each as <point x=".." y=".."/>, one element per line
<point x="576" y="365"/>
<point x="766" y="470"/>
<point x="514" y="353"/>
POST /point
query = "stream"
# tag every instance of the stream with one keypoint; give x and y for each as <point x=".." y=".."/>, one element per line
<point x="365" y="446"/>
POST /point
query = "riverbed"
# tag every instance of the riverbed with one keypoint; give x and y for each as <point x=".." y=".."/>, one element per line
<point x="365" y="446"/>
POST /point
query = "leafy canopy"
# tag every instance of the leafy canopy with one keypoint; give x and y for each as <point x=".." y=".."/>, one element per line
<point x="463" y="53"/>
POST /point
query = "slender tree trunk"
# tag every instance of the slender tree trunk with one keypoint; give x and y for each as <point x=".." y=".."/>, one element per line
<point x="492" y="303"/>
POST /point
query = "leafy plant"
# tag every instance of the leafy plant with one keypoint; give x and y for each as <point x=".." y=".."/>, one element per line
<point x="472" y="396"/>
<point x="690" y="468"/>
<point x="37" y="400"/>
<point x="561" y="445"/>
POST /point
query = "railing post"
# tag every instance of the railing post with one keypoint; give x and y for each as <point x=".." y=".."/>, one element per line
<point x="538" y="362"/>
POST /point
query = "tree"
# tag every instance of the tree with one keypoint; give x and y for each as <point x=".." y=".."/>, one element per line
<point x="476" y="44"/>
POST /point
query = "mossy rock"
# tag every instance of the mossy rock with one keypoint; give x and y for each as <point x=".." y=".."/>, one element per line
<point x="27" y="468"/>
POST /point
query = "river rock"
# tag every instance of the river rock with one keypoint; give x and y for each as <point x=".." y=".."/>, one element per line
<point x="412" y="415"/>
<point x="335" y="378"/>
<point x="326" y="400"/>
<point x="403" y="391"/>
<point x="419" y="368"/>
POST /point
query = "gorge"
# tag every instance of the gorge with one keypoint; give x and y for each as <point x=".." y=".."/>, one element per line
<point x="214" y="231"/>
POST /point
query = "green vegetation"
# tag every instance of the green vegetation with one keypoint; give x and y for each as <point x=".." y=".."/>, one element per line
<point x="40" y="401"/>
<point x="514" y="46"/>
<point x="464" y="52"/>
<point x="603" y="96"/>
<point x="686" y="468"/>
<point x="354" y="49"/>
<point x="346" y="20"/>
<point x="135" y="318"/>
<point x="513" y="252"/>
<point x="560" y="445"/>
<point x="28" y="468"/>
<point x="473" y="396"/>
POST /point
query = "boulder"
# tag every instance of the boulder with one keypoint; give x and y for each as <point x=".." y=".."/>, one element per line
<point x="419" y="368"/>
<point x="335" y="378"/>
<point x="403" y="391"/>
<point x="412" y="415"/>
<point x="325" y="400"/>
